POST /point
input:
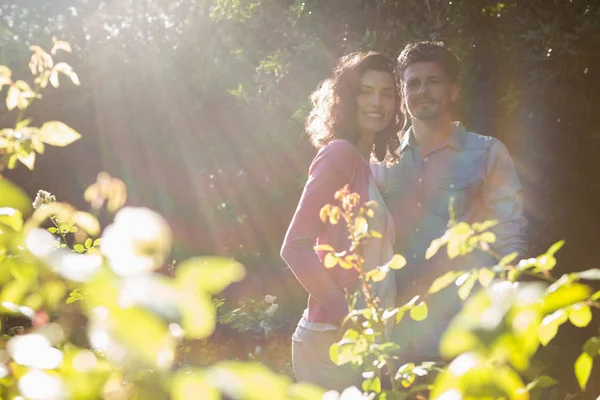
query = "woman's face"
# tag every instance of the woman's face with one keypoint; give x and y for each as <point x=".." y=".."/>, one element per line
<point x="376" y="102"/>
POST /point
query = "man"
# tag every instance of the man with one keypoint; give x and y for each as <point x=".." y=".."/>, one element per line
<point x="439" y="159"/>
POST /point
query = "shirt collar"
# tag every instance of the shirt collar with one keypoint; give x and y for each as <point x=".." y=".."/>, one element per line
<point x="456" y="139"/>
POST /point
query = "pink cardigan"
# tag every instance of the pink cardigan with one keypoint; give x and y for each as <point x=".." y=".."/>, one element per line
<point x="336" y="164"/>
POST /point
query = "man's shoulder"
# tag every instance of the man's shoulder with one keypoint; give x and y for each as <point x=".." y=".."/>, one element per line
<point x="475" y="141"/>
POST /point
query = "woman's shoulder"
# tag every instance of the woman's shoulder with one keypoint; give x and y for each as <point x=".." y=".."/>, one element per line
<point x="339" y="149"/>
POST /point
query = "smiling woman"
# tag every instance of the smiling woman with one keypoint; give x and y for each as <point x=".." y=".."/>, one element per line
<point x="354" y="118"/>
<point x="359" y="81"/>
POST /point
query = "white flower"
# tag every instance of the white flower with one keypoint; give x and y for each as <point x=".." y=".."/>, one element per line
<point x="138" y="241"/>
<point x="38" y="385"/>
<point x="272" y="309"/>
<point x="34" y="350"/>
<point x="270" y="299"/>
<point x="42" y="198"/>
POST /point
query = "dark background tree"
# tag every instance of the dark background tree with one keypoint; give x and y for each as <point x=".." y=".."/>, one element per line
<point x="199" y="106"/>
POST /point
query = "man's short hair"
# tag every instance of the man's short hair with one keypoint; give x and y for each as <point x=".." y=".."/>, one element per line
<point x="429" y="52"/>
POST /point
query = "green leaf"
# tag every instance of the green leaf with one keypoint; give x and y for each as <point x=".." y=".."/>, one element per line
<point x="188" y="384"/>
<point x="97" y="242"/>
<point x="305" y="391"/>
<point x="482" y="226"/>
<point x="24" y="123"/>
<point x="592" y="346"/>
<point x="71" y="300"/>
<point x="596" y="296"/>
<point x="52" y="230"/>
<point x="13" y="196"/>
<point x="12" y="218"/>
<point x="466" y="287"/>
<point x="324" y="247"/>
<point x="212" y="274"/>
<point x="590" y="274"/>
<point x="546" y="262"/>
<point x="488" y="237"/>
<point x="507" y="259"/>
<point x="377" y="275"/>
<point x="580" y="315"/>
<point x="375" y="234"/>
<point x="555" y="247"/>
<point x="486" y="276"/>
<point x="28" y="160"/>
<point x="333" y="353"/>
<point x="583" y="368"/>
<point x="248" y="381"/>
<point x="144" y="335"/>
<point x="434" y="247"/>
<point x="443" y="281"/>
<point x="541" y="382"/>
<point x="56" y="133"/>
<point x="330" y="260"/>
<point x="566" y="295"/>
<point x="549" y="326"/>
<point x="372" y="385"/>
<point x="79" y="248"/>
<point x="88" y="243"/>
<point x="397" y="262"/>
<point x="12" y="97"/>
<point x="419" y="312"/>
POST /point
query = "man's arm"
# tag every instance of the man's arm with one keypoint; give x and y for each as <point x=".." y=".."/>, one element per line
<point x="502" y="199"/>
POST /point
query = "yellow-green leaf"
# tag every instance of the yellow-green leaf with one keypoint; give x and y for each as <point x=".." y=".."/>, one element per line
<point x="580" y="315"/>
<point x="546" y="262"/>
<point x="583" y="368"/>
<point x="555" y="247"/>
<point x="28" y="160"/>
<point x="466" y="287"/>
<point x="56" y="133"/>
<point x="488" y="237"/>
<point x="330" y="260"/>
<point x="486" y="276"/>
<point x="12" y="98"/>
<point x="443" y="281"/>
<point x="507" y="259"/>
<point x="376" y="234"/>
<point x="419" y="312"/>
<point x="433" y="248"/>
<point x="590" y="274"/>
<point x="397" y="262"/>
<point x="377" y="274"/>
<point x="482" y="226"/>
<point x="566" y="295"/>
<point x="549" y="326"/>
<point x="211" y="274"/>
<point x="361" y="226"/>
<point x="11" y="217"/>
<point x="323" y="247"/>
<point x="188" y="384"/>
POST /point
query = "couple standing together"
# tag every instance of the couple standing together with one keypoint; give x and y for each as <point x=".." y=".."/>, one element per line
<point x="357" y="124"/>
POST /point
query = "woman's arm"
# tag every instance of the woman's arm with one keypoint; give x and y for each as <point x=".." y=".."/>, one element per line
<point x="330" y="170"/>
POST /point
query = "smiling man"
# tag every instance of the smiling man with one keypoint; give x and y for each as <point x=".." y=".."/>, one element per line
<point x="439" y="160"/>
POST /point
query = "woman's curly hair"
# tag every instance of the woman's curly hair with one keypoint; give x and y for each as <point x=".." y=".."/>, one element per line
<point x="333" y="115"/>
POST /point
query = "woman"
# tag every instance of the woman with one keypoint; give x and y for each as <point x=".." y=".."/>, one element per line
<point x="354" y="119"/>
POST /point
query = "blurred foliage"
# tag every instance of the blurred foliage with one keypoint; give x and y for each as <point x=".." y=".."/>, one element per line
<point x="490" y="346"/>
<point x="134" y="317"/>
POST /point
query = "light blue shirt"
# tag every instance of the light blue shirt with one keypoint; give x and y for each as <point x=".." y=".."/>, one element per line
<point x="478" y="172"/>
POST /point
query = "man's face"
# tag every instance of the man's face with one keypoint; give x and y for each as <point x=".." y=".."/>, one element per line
<point x="427" y="91"/>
